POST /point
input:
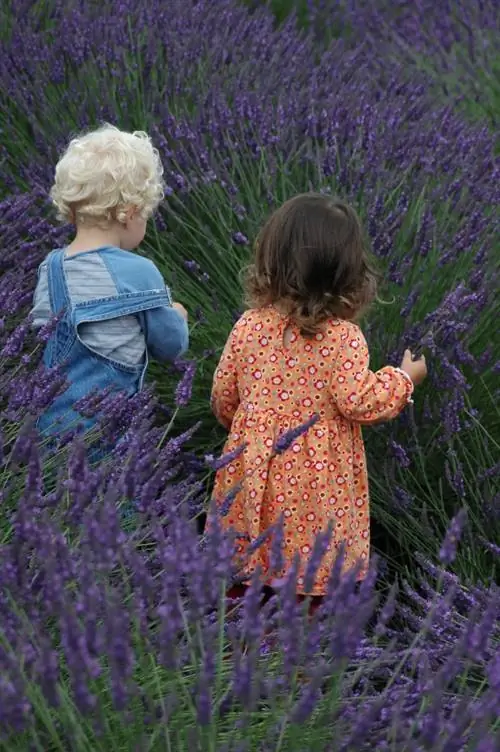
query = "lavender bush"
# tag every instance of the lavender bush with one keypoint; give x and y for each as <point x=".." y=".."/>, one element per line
<point x="452" y="44"/>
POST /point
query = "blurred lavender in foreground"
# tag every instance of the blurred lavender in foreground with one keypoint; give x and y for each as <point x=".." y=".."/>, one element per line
<point x="106" y="616"/>
<point x="82" y="603"/>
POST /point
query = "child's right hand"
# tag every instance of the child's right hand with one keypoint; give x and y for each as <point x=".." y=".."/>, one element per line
<point x="416" y="369"/>
<point x="180" y="309"/>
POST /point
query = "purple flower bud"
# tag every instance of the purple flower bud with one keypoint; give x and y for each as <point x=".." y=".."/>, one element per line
<point x="240" y="239"/>
<point x="287" y="438"/>
<point x="227" y="502"/>
<point x="277" y="561"/>
<point x="260" y="540"/>
<point x="252" y="621"/>
<point x="203" y="702"/>
<point x="192" y="266"/>
<point x="320" y="546"/>
<point x="454" y="474"/>
<point x="305" y="705"/>
<point x="185" y="386"/>
<point x="495" y="550"/>
<point x="387" y="612"/>
<point x="226" y="459"/>
<point x="400" y="454"/>
<point x="46" y="331"/>
<point x="448" y="549"/>
<point x="200" y="316"/>
<point x="15" y="342"/>
<point x="401" y="498"/>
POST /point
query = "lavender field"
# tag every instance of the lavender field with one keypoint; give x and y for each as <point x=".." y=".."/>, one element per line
<point x="114" y="630"/>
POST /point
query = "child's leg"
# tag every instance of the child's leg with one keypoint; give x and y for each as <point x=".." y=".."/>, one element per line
<point x="236" y="591"/>
<point x="315" y="602"/>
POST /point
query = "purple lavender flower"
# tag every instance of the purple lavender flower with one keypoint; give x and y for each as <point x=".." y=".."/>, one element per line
<point x="252" y="620"/>
<point x="227" y="502"/>
<point x="454" y="474"/>
<point x="495" y="550"/>
<point x="226" y="459"/>
<point x="240" y="239"/>
<point x="305" y="705"/>
<point x="286" y="439"/>
<point x="448" y="550"/>
<point x="185" y="386"/>
<point x="243" y="681"/>
<point x="400" y="454"/>
<point x="203" y="702"/>
<point x="45" y="332"/>
<point x="387" y="612"/>
<point x="261" y="539"/>
<point x="479" y="635"/>
<point x="14" y="345"/>
<point x="402" y="498"/>
<point x="321" y="543"/>
<point x="49" y="672"/>
<point x="277" y="561"/>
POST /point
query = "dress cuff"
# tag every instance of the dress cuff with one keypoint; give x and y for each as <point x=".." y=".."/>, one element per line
<point x="409" y="385"/>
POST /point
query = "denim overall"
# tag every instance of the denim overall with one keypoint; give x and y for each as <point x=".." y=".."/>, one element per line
<point x="140" y="288"/>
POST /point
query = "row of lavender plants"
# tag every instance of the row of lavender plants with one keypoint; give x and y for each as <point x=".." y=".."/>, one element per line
<point x="453" y="42"/>
<point x="116" y="635"/>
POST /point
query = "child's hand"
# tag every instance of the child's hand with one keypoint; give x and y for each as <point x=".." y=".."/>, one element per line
<point x="416" y="369"/>
<point x="180" y="309"/>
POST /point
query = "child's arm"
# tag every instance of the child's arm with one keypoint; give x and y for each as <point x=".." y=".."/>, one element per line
<point x="225" y="395"/>
<point x="362" y="395"/>
<point x="165" y="328"/>
<point x="166" y="332"/>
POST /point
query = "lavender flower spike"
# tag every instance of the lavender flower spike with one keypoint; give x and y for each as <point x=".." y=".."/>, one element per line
<point x="287" y="438"/>
<point x="227" y="502"/>
<point x="185" y="385"/>
<point x="448" y="550"/>
<point x="217" y="463"/>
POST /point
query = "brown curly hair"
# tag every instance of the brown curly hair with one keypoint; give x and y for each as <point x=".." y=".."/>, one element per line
<point x="310" y="259"/>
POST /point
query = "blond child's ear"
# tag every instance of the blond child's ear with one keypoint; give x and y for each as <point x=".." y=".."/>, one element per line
<point x="126" y="214"/>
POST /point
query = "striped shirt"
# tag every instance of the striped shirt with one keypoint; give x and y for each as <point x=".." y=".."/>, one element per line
<point x="88" y="278"/>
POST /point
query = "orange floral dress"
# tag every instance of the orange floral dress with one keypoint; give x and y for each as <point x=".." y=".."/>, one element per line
<point x="262" y="389"/>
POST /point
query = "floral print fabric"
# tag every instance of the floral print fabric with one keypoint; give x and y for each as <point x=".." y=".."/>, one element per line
<point x="263" y="388"/>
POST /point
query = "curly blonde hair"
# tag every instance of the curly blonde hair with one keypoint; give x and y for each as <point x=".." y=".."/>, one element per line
<point x="311" y="261"/>
<point x="105" y="171"/>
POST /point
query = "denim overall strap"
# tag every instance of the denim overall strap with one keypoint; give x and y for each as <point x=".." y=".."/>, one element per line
<point x="60" y="343"/>
<point x="58" y="289"/>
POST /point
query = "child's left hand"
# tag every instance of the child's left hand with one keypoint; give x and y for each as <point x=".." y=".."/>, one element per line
<point x="180" y="309"/>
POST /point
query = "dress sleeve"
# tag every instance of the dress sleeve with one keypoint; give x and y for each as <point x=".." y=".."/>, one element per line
<point x="225" y="395"/>
<point x="361" y="395"/>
